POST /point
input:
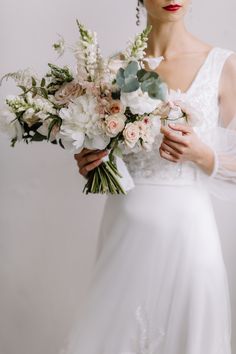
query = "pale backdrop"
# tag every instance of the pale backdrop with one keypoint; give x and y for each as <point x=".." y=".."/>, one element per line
<point x="48" y="228"/>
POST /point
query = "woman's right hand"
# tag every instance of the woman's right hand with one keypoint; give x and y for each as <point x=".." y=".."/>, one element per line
<point x="89" y="159"/>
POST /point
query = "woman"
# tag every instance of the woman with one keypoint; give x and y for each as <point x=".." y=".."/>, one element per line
<point x="159" y="284"/>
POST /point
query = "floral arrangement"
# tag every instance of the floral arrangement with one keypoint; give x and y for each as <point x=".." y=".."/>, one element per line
<point x="111" y="103"/>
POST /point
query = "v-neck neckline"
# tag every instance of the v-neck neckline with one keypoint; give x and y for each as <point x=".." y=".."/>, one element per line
<point x="199" y="72"/>
<point x="197" y="76"/>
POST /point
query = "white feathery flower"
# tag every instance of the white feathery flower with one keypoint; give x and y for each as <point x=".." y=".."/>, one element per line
<point x="21" y="77"/>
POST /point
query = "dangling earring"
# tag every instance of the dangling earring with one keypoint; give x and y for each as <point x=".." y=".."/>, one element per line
<point x="138" y="13"/>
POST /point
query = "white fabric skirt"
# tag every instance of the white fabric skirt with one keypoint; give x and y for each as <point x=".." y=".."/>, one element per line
<point x="159" y="284"/>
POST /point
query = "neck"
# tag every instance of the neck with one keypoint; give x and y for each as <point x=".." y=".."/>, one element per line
<point x="166" y="39"/>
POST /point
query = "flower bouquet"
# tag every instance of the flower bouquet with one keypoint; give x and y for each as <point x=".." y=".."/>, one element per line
<point x="111" y="103"/>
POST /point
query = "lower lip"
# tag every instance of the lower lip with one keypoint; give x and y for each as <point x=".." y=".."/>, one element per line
<point x="172" y="8"/>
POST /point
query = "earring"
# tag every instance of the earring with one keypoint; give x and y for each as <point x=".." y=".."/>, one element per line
<point x="138" y="13"/>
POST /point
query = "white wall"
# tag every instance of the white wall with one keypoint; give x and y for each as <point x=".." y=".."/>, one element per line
<point x="48" y="228"/>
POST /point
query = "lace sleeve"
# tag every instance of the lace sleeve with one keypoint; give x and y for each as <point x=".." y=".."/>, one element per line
<point x="222" y="182"/>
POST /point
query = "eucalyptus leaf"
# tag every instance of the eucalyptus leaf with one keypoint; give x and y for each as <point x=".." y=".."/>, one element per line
<point x="131" y="84"/>
<point x="141" y="73"/>
<point x="146" y="75"/>
<point x="120" y="77"/>
<point x="131" y="69"/>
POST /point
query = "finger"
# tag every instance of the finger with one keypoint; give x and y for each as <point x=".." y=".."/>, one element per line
<point x="174" y="152"/>
<point x="88" y="158"/>
<point x="180" y="139"/>
<point x="167" y="156"/>
<point x="89" y="167"/>
<point x="181" y="128"/>
<point x="176" y="146"/>
<point x="84" y="152"/>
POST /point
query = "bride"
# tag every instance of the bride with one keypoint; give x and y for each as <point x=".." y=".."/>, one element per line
<point x="159" y="283"/>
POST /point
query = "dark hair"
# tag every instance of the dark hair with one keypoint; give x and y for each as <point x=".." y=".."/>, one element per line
<point x="141" y="2"/>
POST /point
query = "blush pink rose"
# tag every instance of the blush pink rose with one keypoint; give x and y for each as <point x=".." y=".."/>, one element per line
<point x="131" y="134"/>
<point x="115" y="124"/>
<point x="68" y="91"/>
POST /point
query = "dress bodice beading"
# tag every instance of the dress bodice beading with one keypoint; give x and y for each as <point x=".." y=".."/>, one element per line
<point x="202" y="95"/>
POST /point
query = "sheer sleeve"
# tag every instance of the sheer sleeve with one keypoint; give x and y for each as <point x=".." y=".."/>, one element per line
<point x="222" y="181"/>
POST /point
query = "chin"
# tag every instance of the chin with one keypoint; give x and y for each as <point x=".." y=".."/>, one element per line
<point x="166" y="12"/>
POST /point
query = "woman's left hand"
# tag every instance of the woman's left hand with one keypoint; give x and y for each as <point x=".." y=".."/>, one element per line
<point x="185" y="147"/>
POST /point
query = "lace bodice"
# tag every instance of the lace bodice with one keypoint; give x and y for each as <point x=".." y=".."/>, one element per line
<point x="149" y="167"/>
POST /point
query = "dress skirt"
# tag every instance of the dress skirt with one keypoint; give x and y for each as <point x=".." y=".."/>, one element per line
<point x="159" y="283"/>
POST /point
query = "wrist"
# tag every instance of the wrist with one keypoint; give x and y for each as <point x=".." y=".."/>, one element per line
<point x="205" y="159"/>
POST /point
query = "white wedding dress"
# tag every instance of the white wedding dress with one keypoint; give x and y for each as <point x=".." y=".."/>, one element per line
<point x="159" y="284"/>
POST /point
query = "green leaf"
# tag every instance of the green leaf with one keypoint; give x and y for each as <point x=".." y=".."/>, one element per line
<point x="38" y="137"/>
<point x="61" y="145"/>
<point x="23" y="88"/>
<point x="43" y="82"/>
<point x="51" y="125"/>
<point x="117" y="152"/>
<point x="44" y="92"/>
<point x="13" y="141"/>
<point x="33" y="81"/>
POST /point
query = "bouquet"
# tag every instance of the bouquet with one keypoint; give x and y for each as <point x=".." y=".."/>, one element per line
<point x="112" y="103"/>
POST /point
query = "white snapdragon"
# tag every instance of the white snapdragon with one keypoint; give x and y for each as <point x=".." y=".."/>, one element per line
<point x="87" y="53"/>
<point x="17" y="103"/>
<point x="136" y="48"/>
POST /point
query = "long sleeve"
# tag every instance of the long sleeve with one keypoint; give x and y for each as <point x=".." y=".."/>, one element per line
<point x="222" y="182"/>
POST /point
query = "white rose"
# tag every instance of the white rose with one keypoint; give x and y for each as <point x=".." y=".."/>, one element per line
<point x="115" y="124"/>
<point x="139" y="102"/>
<point x="131" y="134"/>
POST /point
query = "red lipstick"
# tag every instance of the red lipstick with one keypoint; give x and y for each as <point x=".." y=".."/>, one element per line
<point x="172" y="8"/>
